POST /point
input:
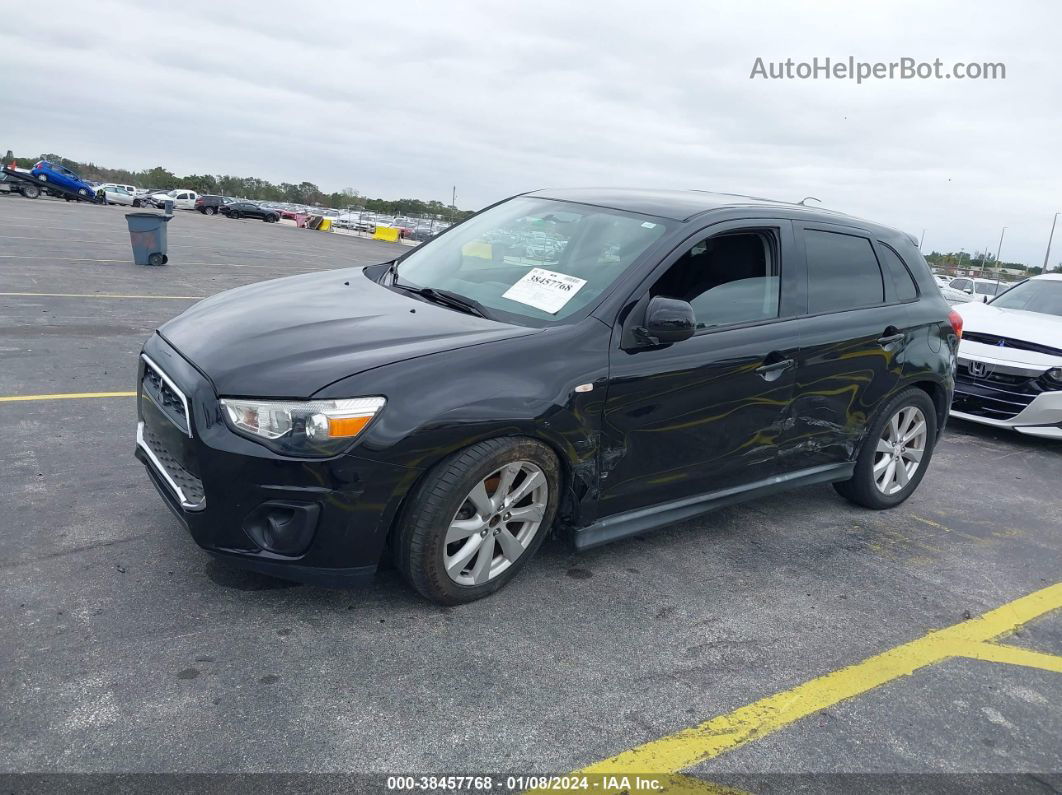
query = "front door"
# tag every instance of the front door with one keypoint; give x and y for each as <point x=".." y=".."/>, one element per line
<point x="707" y="413"/>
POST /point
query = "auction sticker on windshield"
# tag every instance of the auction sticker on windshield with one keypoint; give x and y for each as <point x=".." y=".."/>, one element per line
<point x="545" y="290"/>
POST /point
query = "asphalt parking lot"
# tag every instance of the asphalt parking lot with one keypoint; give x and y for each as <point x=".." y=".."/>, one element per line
<point x="125" y="648"/>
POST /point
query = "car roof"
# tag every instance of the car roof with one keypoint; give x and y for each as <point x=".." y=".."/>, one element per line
<point x="1055" y="277"/>
<point x="682" y="205"/>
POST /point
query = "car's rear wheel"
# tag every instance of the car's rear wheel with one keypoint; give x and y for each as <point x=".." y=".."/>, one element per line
<point x="31" y="191"/>
<point x="211" y="210"/>
<point x="136" y="202"/>
<point x="477" y="518"/>
<point x="895" y="453"/>
<point x="234" y="214"/>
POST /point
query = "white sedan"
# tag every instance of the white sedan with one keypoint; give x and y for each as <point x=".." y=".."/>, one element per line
<point x="963" y="290"/>
<point x="118" y="194"/>
<point x="1009" y="371"/>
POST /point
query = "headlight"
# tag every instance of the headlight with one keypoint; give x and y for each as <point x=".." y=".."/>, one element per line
<point x="315" y="428"/>
<point x="1054" y="374"/>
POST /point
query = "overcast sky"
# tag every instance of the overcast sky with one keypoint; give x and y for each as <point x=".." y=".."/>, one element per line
<point x="408" y="99"/>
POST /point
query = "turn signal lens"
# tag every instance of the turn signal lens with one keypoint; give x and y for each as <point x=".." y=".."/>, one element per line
<point x="956" y="322"/>
<point x="346" y="426"/>
<point x="313" y="428"/>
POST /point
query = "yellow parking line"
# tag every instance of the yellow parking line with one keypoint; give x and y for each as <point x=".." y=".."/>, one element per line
<point x="66" y="396"/>
<point x="103" y="295"/>
<point x="1013" y="655"/>
<point x="692" y="746"/>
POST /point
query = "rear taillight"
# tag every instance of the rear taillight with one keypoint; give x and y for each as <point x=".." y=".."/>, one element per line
<point x="956" y="322"/>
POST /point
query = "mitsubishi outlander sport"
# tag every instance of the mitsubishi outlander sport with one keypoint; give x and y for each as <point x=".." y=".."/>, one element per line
<point x="591" y="362"/>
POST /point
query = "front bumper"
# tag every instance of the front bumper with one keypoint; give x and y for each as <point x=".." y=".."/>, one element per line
<point x="326" y="520"/>
<point x="1006" y="395"/>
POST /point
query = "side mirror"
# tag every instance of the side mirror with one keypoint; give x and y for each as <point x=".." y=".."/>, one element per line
<point x="968" y="290"/>
<point x="668" y="320"/>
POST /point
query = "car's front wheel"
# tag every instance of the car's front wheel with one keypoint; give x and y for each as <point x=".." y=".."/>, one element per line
<point x="895" y="453"/>
<point x="477" y="518"/>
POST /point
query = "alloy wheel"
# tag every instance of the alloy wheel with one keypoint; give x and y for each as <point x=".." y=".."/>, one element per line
<point x="496" y="523"/>
<point x="900" y="449"/>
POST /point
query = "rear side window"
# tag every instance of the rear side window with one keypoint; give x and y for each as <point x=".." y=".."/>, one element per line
<point x="901" y="276"/>
<point x="843" y="272"/>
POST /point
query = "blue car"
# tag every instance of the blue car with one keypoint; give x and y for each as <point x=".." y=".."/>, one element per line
<point x="48" y="172"/>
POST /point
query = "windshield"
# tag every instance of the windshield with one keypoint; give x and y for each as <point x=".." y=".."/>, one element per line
<point x="1035" y="295"/>
<point x="531" y="258"/>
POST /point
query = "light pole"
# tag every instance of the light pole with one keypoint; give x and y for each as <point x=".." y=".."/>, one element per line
<point x="922" y="240"/>
<point x="1049" y="239"/>
<point x="999" y="248"/>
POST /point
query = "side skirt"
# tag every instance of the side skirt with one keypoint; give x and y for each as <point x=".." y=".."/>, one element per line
<point x="612" y="528"/>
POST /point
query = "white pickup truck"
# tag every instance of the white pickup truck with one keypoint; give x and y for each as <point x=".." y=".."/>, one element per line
<point x="182" y="199"/>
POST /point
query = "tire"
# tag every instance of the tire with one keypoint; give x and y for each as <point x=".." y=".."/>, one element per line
<point x="211" y="211"/>
<point x="445" y="494"/>
<point x="42" y="177"/>
<point x="234" y="215"/>
<point x="136" y="202"/>
<point x="157" y="259"/>
<point x="31" y="191"/>
<point x="863" y="488"/>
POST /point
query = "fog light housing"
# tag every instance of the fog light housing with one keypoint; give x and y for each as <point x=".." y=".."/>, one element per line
<point x="283" y="527"/>
<point x="1054" y="375"/>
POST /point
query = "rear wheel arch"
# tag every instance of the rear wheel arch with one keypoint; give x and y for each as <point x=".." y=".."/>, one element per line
<point x="939" y="396"/>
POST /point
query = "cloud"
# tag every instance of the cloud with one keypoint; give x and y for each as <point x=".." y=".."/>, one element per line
<point x="410" y="100"/>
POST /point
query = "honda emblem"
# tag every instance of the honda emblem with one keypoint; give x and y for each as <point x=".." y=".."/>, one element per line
<point x="977" y="369"/>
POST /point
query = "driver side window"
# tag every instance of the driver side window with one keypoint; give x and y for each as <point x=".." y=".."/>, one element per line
<point x="727" y="279"/>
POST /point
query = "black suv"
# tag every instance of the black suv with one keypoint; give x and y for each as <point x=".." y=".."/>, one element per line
<point x="212" y="205"/>
<point x="594" y="362"/>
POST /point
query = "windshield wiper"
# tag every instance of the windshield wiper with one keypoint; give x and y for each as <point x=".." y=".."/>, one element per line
<point x="446" y="298"/>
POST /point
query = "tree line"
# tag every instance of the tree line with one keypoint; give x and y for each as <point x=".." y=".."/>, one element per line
<point x="308" y="193"/>
<point x="978" y="259"/>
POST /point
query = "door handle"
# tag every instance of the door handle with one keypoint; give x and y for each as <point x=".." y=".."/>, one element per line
<point x="770" y="372"/>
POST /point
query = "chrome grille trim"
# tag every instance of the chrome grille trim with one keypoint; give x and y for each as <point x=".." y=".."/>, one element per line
<point x="181" y="496"/>
<point x="177" y="390"/>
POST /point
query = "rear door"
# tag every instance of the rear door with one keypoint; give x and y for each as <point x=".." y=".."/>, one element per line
<point x="852" y="345"/>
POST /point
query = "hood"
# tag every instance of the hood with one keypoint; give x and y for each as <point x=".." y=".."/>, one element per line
<point x="290" y="338"/>
<point x="1035" y="327"/>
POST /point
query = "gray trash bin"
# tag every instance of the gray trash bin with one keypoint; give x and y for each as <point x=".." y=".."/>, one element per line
<point x="147" y="233"/>
<point x="167" y="205"/>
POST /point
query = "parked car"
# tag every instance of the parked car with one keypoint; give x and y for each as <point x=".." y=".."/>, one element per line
<point x="683" y="351"/>
<point x="182" y="199"/>
<point x="251" y="210"/>
<point x="1010" y="360"/>
<point x="132" y="189"/>
<point x="969" y="289"/>
<point x="211" y="205"/>
<point x="46" y="171"/>
<point x="116" y="194"/>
